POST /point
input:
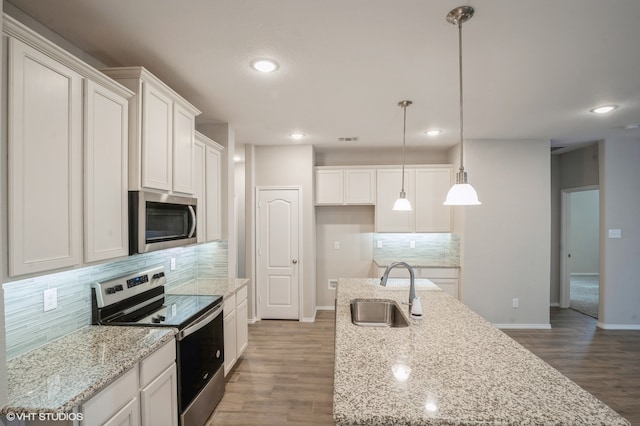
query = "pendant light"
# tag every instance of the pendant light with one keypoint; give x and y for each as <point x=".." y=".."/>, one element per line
<point x="402" y="204"/>
<point x="462" y="193"/>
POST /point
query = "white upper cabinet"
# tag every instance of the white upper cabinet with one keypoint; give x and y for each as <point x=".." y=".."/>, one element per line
<point x="157" y="138"/>
<point x="105" y="164"/>
<point x="45" y="161"/>
<point x="161" y="134"/>
<point x="208" y="190"/>
<point x="426" y="188"/>
<point x="345" y="186"/>
<point x="432" y="185"/>
<point x="213" y="192"/>
<point x="50" y="118"/>
<point x="389" y="184"/>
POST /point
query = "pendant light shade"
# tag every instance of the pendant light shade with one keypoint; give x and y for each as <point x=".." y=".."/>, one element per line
<point x="462" y="193"/>
<point x="402" y="204"/>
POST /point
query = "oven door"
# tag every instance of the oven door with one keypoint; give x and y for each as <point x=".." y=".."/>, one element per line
<point x="201" y="367"/>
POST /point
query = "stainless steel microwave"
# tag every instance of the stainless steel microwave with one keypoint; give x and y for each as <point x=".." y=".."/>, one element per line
<point x="160" y="221"/>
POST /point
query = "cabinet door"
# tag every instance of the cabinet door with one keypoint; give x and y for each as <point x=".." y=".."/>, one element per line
<point x="329" y="187"/>
<point x="389" y="184"/>
<point x="212" y="191"/>
<point x="157" y="138"/>
<point x="230" y="341"/>
<point x="360" y="186"/>
<point x="44" y="164"/>
<point x="105" y="170"/>
<point x="183" y="133"/>
<point x="242" y="328"/>
<point x="159" y="400"/>
<point x="199" y="189"/>
<point x="431" y="187"/>
<point x="129" y="415"/>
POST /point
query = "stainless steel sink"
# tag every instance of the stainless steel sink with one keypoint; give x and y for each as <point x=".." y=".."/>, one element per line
<point x="377" y="313"/>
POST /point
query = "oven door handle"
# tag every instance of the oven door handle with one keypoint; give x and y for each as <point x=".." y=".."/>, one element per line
<point x="200" y="323"/>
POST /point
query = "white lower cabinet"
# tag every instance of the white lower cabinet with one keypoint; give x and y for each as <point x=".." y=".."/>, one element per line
<point x="146" y="395"/>
<point x="236" y="328"/>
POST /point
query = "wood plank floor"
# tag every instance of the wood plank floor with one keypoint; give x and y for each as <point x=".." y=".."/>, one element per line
<point x="604" y="362"/>
<point x="286" y="375"/>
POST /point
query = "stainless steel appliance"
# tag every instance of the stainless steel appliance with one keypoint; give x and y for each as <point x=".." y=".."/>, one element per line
<point x="160" y="221"/>
<point x="139" y="299"/>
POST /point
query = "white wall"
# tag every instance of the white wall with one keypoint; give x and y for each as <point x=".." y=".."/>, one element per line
<point x="584" y="232"/>
<point x="619" y="209"/>
<point x="378" y="156"/>
<point x="352" y="228"/>
<point x="240" y="177"/>
<point x="506" y="241"/>
<point x="286" y="165"/>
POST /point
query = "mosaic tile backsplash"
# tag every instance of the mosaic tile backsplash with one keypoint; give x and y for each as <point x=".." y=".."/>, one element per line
<point x="431" y="246"/>
<point x="28" y="327"/>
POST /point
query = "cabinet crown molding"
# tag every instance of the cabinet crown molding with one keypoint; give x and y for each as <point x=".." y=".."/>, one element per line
<point x="13" y="28"/>
<point x="139" y="72"/>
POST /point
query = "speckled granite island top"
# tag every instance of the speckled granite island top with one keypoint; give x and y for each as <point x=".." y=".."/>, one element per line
<point x="68" y="371"/>
<point x="211" y="286"/>
<point x="450" y="368"/>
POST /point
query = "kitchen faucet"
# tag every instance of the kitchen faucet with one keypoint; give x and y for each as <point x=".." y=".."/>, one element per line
<point x="412" y="284"/>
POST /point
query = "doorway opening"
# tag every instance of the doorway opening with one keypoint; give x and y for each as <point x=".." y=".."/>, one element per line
<point x="580" y="263"/>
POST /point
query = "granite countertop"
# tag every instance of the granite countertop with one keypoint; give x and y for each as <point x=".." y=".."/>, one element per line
<point x="68" y="371"/>
<point x="450" y="368"/>
<point x="418" y="262"/>
<point x="211" y="286"/>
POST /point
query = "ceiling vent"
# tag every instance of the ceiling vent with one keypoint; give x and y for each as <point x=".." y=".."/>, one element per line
<point x="349" y="139"/>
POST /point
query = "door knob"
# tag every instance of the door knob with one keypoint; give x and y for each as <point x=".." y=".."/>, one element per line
<point x="294" y="261"/>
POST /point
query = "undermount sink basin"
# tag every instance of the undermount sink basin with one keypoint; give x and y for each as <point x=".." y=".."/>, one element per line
<point x="377" y="313"/>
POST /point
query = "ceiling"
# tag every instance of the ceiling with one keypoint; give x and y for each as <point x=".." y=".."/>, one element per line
<point x="532" y="69"/>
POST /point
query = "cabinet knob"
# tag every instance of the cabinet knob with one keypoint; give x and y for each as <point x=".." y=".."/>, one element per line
<point x="294" y="261"/>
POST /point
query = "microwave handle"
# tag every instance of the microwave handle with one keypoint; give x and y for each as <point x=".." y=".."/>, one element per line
<point x="193" y="221"/>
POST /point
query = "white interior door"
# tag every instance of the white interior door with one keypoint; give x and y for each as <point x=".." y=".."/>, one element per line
<point x="278" y="245"/>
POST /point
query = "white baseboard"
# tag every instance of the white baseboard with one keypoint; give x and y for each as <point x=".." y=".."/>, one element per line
<point x="584" y="274"/>
<point x="252" y="320"/>
<point x="308" y="319"/>
<point x="523" y="326"/>
<point x="554" y="305"/>
<point x="325" y="308"/>
<point x="618" y="326"/>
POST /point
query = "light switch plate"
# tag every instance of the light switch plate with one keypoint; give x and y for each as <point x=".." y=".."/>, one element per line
<point x="50" y="299"/>
<point x="379" y="243"/>
<point x="173" y="264"/>
<point x="615" y="233"/>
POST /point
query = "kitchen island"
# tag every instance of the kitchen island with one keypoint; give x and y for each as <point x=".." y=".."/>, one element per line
<point x="450" y="368"/>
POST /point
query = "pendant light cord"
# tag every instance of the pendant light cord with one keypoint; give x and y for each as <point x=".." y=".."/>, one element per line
<point x="404" y="133"/>
<point x="460" y="77"/>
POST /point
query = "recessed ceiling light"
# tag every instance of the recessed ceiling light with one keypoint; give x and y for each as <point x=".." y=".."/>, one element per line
<point x="237" y="158"/>
<point x="297" y="136"/>
<point x="603" y="109"/>
<point x="433" y="132"/>
<point x="264" y="65"/>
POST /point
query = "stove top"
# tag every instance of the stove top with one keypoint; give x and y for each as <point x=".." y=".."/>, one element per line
<point x="139" y="299"/>
<point x="176" y="311"/>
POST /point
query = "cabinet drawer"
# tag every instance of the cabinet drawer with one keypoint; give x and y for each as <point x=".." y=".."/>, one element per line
<point x="241" y="295"/>
<point x="112" y="399"/>
<point x="157" y="362"/>
<point x="438" y="273"/>
<point x="229" y="304"/>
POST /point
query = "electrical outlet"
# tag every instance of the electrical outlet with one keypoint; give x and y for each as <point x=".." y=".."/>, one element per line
<point x="615" y="233"/>
<point x="173" y="264"/>
<point x="412" y="244"/>
<point x="50" y="299"/>
<point x="515" y="303"/>
<point x="379" y="244"/>
<point x="336" y="245"/>
<point x="333" y="283"/>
